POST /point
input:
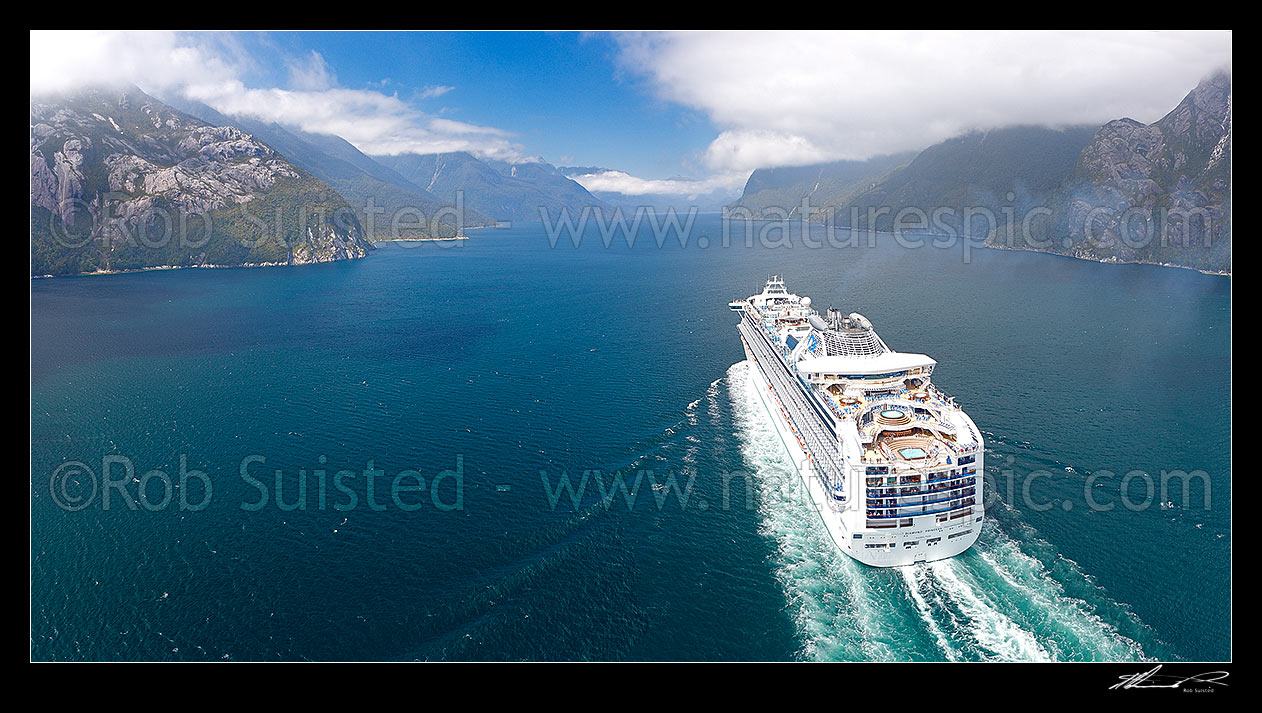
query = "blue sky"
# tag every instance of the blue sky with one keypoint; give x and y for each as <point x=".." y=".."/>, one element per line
<point x="561" y="95"/>
<point x="705" y="107"/>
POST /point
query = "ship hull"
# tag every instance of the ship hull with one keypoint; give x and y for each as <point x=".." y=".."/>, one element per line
<point x="875" y="548"/>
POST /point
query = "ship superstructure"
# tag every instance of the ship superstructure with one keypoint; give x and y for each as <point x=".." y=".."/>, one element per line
<point x="892" y="464"/>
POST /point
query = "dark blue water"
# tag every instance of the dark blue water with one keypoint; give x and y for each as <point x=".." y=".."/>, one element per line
<point x="507" y="362"/>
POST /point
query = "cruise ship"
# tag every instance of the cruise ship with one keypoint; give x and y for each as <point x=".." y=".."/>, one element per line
<point x="892" y="464"/>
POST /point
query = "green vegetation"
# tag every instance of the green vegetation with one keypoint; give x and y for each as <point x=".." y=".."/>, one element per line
<point x="271" y="228"/>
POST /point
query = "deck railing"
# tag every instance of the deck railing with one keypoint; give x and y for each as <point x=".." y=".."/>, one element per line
<point x="817" y="443"/>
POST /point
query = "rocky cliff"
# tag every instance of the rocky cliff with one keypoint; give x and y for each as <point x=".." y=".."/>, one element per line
<point x="1157" y="192"/>
<point x="387" y="205"/>
<point x="777" y="193"/>
<point x="1122" y="192"/>
<point x="121" y="181"/>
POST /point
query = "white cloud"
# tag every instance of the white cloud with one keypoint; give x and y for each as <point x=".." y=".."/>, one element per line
<point x="311" y="73"/>
<point x="375" y="123"/>
<point x="756" y="148"/>
<point x="789" y="98"/>
<point x="211" y="68"/>
<point x="626" y="184"/>
<point x="434" y="91"/>
<point x="775" y="98"/>
<point x="64" y="60"/>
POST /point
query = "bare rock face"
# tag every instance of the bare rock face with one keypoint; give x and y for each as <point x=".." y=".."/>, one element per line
<point x="43" y="184"/>
<point x="1204" y="116"/>
<point x="1157" y="192"/>
<point x="323" y="244"/>
<point x="109" y="165"/>
<point x="67" y="165"/>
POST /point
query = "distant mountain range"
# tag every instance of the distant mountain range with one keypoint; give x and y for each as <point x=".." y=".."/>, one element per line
<point x="121" y="181"/>
<point x="1064" y="190"/>
<point x="1015" y="167"/>
<point x="512" y="192"/>
<point x="484" y="191"/>
<point x="778" y="193"/>
<point x="366" y="184"/>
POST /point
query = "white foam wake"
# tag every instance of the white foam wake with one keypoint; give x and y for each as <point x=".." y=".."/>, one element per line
<point x="995" y="632"/>
<point x="914" y="578"/>
<point x="827" y="594"/>
<point x="1074" y="629"/>
<point x="994" y="603"/>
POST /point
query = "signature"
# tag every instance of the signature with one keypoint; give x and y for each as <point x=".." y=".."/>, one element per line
<point x="1152" y="679"/>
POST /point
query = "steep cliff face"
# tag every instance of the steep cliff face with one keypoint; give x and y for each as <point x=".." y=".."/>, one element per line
<point x="121" y="181"/>
<point x="1014" y="168"/>
<point x="1125" y="191"/>
<point x="773" y="193"/>
<point x="387" y="205"/>
<point x="1157" y="192"/>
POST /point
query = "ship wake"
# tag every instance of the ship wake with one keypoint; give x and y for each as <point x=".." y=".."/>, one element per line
<point x="1009" y="598"/>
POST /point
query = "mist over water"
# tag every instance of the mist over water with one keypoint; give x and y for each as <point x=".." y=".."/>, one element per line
<point x="517" y="361"/>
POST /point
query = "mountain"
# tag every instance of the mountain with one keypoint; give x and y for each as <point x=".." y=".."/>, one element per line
<point x="1157" y="192"/>
<point x="1126" y="191"/>
<point x="121" y="181"/>
<point x="366" y="184"/>
<point x="778" y="193"/>
<point x="998" y="172"/>
<point x="504" y="191"/>
<point x="990" y="170"/>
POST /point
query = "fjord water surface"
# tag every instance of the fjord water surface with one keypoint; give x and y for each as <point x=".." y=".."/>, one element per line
<point x="508" y="361"/>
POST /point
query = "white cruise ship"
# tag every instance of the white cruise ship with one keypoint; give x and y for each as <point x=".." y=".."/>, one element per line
<point x="892" y="464"/>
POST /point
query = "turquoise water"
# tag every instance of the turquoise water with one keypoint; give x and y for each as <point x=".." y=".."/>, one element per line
<point x="507" y="362"/>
